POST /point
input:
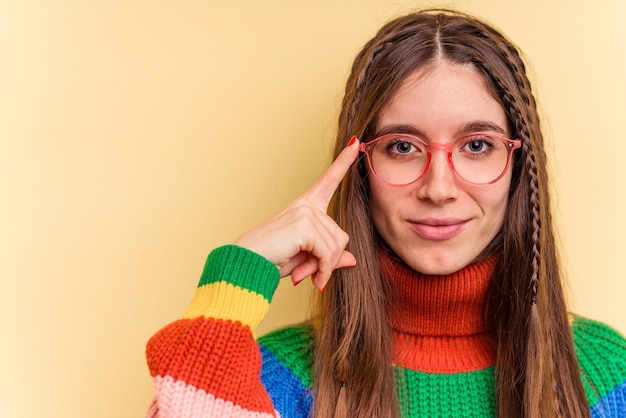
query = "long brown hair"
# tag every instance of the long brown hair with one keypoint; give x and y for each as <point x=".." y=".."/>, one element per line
<point x="353" y="369"/>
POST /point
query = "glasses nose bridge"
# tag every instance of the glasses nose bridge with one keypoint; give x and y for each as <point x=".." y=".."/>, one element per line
<point x="446" y="146"/>
<point x="443" y="146"/>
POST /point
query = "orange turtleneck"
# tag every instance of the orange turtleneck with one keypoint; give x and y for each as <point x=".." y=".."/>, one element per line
<point x="437" y="321"/>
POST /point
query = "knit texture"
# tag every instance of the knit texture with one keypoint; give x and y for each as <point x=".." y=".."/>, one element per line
<point x="208" y="364"/>
<point x="437" y="321"/>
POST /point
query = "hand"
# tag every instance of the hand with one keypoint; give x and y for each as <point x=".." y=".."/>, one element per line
<point x="302" y="240"/>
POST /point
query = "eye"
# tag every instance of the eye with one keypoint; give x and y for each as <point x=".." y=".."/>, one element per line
<point x="402" y="147"/>
<point x="477" y="146"/>
<point x="398" y="148"/>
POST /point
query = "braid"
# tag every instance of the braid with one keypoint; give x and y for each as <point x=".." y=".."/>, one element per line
<point x="527" y="149"/>
<point x="536" y="223"/>
<point x="511" y="56"/>
<point x="379" y="49"/>
<point x="363" y="76"/>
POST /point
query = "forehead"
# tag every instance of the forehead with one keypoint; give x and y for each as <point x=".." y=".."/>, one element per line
<point x="443" y="96"/>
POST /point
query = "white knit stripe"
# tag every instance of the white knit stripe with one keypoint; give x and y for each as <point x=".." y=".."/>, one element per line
<point x="177" y="399"/>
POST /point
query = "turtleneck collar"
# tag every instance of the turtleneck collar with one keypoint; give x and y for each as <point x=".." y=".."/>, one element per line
<point x="437" y="321"/>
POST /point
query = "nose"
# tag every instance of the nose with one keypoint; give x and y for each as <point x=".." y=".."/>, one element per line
<point x="439" y="184"/>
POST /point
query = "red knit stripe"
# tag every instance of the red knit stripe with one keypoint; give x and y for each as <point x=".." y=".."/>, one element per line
<point x="443" y="354"/>
<point x="217" y="356"/>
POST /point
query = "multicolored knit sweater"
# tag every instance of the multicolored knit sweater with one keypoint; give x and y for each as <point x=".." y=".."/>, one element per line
<point x="209" y="364"/>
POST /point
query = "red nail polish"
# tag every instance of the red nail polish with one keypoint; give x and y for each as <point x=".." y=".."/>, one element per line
<point x="352" y="140"/>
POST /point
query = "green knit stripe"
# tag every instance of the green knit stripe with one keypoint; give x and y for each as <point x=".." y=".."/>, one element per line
<point x="601" y="353"/>
<point x="243" y="268"/>
<point x="469" y="394"/>
<point x="292" y="346"/>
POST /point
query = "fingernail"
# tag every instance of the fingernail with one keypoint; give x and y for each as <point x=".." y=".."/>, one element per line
<point x="352" y="140"/>
<point x="295" y="283"/>
<point x="324" y="288"/>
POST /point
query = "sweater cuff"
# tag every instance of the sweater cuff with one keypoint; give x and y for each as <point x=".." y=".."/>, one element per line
<point x="236" y="284"/>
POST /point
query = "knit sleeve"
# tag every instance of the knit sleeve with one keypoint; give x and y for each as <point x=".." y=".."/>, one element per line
<point x="601" y="353"/>
<point x="208" y="364"/>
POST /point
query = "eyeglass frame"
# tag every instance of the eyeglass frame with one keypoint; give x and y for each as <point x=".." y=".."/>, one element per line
<point x="511" y="144"/>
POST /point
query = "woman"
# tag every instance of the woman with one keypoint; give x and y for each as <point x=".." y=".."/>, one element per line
<point x="441" y="291"/>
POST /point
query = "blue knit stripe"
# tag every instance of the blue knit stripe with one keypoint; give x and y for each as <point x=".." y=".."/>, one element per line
<point x="613" y="404"/>
<point x="290" y="397"/>
<point x="292" y="346"/>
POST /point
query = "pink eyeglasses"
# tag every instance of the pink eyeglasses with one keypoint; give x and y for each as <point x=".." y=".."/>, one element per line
<point x="478" y="158"/>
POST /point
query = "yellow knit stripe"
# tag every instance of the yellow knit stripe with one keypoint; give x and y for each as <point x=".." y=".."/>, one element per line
<point x="222" y="300"/>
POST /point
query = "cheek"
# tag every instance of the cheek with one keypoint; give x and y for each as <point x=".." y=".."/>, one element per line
<point x="376" y="201"/>
<point x="496" y="203"/>
<point x="383" y="203"/>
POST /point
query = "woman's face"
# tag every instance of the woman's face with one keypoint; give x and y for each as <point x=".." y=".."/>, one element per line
<point x="440" y="224"/>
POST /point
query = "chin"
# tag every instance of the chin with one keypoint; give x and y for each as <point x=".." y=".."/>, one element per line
<point x="435" y="270"/>
<point x="436" y="264"/>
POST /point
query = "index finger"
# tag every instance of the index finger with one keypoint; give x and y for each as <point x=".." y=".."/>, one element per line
<point x="322" y="191"/>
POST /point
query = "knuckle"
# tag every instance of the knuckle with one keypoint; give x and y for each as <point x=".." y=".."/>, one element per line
<point x="300" y="202"/>
<point x="303" y="210"/>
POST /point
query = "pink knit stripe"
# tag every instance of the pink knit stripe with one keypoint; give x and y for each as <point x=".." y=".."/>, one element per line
<point x="180" y="400"/>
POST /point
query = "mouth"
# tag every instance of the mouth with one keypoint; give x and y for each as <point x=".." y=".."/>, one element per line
<point x="438" y="229"/>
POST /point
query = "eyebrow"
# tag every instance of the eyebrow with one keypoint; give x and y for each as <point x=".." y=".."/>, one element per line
<point x="474" y="126"/>
<point x="481" y="126"/>
<point x="399" y="129"/>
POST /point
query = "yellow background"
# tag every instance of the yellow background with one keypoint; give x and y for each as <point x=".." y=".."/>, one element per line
<point x="137" y="135"/>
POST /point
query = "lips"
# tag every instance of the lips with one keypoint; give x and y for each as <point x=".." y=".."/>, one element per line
<point x="438" y="229"/>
